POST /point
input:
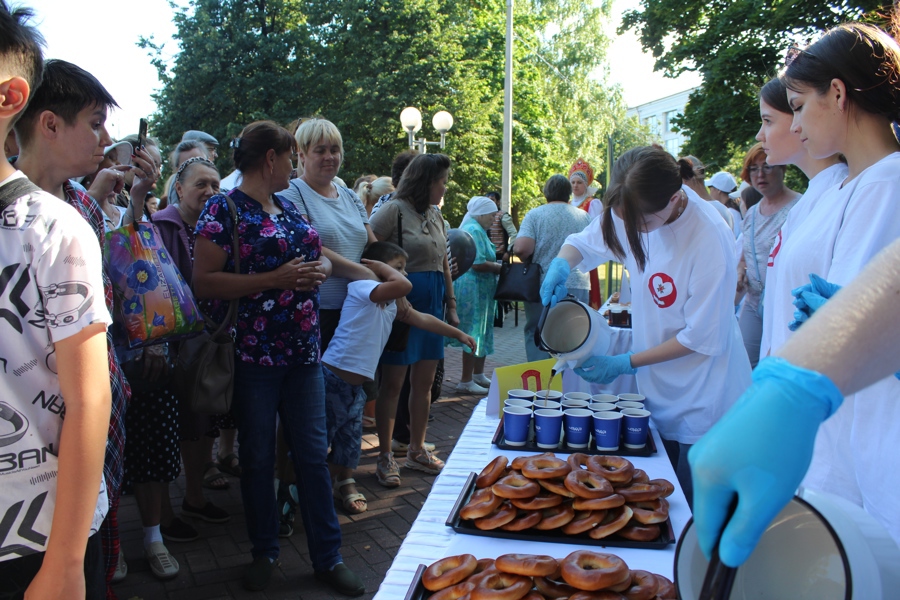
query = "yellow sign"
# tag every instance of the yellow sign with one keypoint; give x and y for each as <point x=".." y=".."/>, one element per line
<point x="532" y="376"/>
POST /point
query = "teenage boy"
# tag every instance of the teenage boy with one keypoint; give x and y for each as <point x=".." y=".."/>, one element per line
<point x="62" y="134"/>
<point x="367" y="316"/>
<point x="54" y="399"/>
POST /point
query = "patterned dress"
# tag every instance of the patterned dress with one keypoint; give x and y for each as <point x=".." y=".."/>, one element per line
<point x="475" y="295"/>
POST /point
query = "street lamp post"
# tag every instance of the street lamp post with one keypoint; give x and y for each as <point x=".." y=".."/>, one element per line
<point x="411" y="120"/>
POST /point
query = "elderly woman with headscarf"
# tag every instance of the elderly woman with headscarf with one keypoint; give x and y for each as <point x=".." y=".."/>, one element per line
<point x="581" y="176"/>
<point x="474" y="293"/>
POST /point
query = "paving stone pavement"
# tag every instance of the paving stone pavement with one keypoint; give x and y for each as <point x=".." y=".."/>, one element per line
<point x="211" y="567"/>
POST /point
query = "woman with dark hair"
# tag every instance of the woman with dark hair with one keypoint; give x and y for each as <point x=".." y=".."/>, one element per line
<point x="412" y="221"/>
<point x="783" y="147"/>
<point x="844" y="91"/>
<point x="687" y="352"/>
<point x="277" y="369"/>
<point x="758" y="232"/>
<point x="749" y="198"/>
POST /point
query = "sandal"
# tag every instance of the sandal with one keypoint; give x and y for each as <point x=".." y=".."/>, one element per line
<point x="368" y="422"/>
<point x="230" y="464"/>
<point x="209" y="478"/>
<point x="347" y="500"/>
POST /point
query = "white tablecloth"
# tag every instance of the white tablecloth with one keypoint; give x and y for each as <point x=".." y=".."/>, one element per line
<point x="429" y="539"/>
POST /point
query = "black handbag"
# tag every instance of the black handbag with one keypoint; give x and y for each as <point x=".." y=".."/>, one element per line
<point x="399" y="330"/>
<point x="519" y="282"/>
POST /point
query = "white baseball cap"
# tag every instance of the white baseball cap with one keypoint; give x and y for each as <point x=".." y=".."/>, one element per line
<point x="722" y="181"/>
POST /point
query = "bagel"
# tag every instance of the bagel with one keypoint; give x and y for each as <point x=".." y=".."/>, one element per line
<point x="585" y="484"/>
<point x="615" y="469"/>
<point x="578" y="460"/>
<point x="515" y="486"/>
<point x="478" y="576"/>
<point x="557" y="487"/>
<point x="639" y="533"/>
<point x="539" y="502"/>
<point x="640" y="476"/>
<point x="601" y="595"/>
<point x="612" y="501"/>
<point x="482" y="503"/>
<point x="553" y="589"/>
<point x="529" y="565"/>
<point x="650" y="511"/>
<point x="500" y="517"/>
<point x="517" y="462"/>
<point x="665" y="485"/>
<point x="643" y="586"/>
<point x="666" y="589"/>
<point x="454" y="592"/>
<point x="615" y="520"/>
<point x="545" y="467"/>
<point x="639" y="492"/>
<point x="525" y="519"/>
<point x="492" y="472"/>
<point x="555" y="517"/>
<point x="448" y="571"/>
<point x="502" y="586"/>
<point x="584" y="520"/>
<point x="592" y="571"/>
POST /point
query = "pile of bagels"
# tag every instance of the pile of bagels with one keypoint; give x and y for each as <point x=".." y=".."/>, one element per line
<point x="601" y="496"/>
<point x="583" y="575"/>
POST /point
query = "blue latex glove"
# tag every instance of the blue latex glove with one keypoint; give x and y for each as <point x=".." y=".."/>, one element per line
<point x="553" y="289"/>
<point x="604" y="369"/>
<point x="760" y="451"/>
<point x="809" y="298"/>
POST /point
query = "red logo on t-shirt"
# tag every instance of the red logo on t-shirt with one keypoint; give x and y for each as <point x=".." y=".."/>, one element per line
<point x="662" y="287"/>
<point x="775" y="250"/>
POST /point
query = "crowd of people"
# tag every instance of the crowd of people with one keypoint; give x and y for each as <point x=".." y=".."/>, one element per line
<point x="719" y="277"/>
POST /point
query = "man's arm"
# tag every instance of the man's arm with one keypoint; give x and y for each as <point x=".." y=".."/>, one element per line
<point x="84" y="382"/>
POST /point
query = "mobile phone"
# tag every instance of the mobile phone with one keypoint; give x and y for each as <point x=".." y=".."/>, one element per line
<point x="142" y="134"/>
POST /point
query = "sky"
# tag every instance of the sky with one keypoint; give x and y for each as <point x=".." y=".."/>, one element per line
<point x="101" y="37"/>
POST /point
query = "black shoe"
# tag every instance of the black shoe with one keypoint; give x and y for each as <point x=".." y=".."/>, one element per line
<point x="178" y="531"/>
<point x="342" y="580"/>
<point x="258" y="573"/>
<point x="208" y="512"/>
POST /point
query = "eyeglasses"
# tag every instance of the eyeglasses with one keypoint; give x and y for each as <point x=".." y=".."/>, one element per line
<point x="755" y="169"/>
<point x="793" y="53"/>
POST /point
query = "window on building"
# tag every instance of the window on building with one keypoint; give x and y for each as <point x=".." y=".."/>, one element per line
<point x="673" y="146"/>
<point x="668" y="117"/>
<point x="654" y="124"/>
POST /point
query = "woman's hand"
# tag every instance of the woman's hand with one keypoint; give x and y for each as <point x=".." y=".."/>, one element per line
<point x="289" y="276"/>
<point x="108" y="182"/>
<point x="145" y="176"/>
<point x="310" y="275"/>
<point x="452" y="318"/>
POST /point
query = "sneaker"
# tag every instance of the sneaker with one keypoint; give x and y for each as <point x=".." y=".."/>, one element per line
<point x="425" y="461"/>
<point x="178" y="531"/>
<point x="481" y="380"/>
<point x="209" y="512"/>
<point x="470" y="388"/>
<point x="388" y="471"/>
<point x="400" y="449"/>
<point x="288" y="499"/>
<point x="258" y="573"/>
<point x="121" y="568"/>
<point x="342" y="580"/>
<point x="162" y="564"/>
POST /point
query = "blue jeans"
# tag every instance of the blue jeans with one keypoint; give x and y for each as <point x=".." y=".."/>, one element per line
<point x="297" y="395"/>
<point x="344" y="410"/>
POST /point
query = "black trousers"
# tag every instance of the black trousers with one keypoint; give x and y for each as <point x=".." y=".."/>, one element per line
<point x="16" y="574"/>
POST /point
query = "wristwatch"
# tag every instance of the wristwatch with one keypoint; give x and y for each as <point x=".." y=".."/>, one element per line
<point x="18" y="421"/>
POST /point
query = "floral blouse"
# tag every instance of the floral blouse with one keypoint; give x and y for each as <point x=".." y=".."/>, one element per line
<point x="275" y="327"/>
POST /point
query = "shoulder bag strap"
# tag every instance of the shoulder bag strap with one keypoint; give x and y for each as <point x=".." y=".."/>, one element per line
<point x="231" y="317"/>
<point x="303" y="201"/>
<point x="14" y="190"/>
<point x="399" y="226"/>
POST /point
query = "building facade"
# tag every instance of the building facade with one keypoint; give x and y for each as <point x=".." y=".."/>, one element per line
<point x="659" y="114"/>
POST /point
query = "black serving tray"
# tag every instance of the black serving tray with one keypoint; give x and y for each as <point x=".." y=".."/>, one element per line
<point x="416" y="590"/>
<point x="531" y="446"/>
<point x="666" y="536"/>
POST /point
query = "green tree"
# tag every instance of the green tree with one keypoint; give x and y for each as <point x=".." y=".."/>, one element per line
<point x="736" y="46"/>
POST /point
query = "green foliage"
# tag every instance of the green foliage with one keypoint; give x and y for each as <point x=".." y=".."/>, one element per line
<point x="358" y="63"/>
<point x="736" y="45"/>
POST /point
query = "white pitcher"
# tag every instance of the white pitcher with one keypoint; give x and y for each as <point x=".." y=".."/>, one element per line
<point x="572" y="332"/>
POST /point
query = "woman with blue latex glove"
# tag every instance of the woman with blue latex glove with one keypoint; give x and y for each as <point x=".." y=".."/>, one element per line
<point x="809" y="298"/>
<point x="688" y="357"/>
<point x="553" y="288"/>
<point x="844" y="93"/>
<point x="757" y="454"/>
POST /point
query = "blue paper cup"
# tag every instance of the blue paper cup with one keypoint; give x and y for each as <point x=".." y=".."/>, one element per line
<point x="602" y="407"/>
<point x="631" y="397"/>
<point x="542" y="395"/>
<point x="516" y="423"/>
<point x="526" y="394"/>
<point x="547" y="427"/>
<point x="608" y="398"/>
<point x="577" y="396"/>
<point x="549" y="404"/>
<point x="578" y="427"/>
<point x="607" y="430"/>
<point x="567" y="403"/>
<point x="626" y="404"/>
<point x="636" y="424"/>
<point x="518" y="402"/>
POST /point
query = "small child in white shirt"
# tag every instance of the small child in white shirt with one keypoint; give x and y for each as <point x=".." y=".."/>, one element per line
<point x="367" y="317"/>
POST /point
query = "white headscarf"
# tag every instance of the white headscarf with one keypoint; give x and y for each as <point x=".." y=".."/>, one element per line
<point x="477" y="206"/>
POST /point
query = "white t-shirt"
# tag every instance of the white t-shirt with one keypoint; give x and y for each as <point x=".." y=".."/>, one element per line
<point x="549" y="226"/>
<point x="362" y="331"/>
<point x="51" y="289"/>
<point x="686" y="291"/>
<point x="856" y="454"/>
<point x="818" y="185"/>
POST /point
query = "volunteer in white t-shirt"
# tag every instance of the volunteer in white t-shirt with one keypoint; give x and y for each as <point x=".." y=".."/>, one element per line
<point x="687" y="355"/>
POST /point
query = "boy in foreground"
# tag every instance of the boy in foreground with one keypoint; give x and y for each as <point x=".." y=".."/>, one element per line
<point x="54" y="390"/>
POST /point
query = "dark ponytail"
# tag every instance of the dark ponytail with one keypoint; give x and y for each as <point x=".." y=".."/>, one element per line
<point x="642" y="181"/>
<point x="686" y="168"/>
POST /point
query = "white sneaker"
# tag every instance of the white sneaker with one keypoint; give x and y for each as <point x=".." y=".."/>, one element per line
<point x="162" y="564"/>
<point x="121" y="567"/>
<point x="470" y="387"/>
<point x="481" y="380"/>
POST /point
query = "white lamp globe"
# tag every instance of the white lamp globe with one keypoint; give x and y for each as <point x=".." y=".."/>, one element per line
<point x="442" y="121"/>
<point x="411" y="119"/>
